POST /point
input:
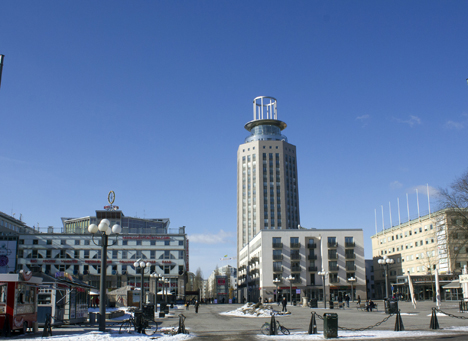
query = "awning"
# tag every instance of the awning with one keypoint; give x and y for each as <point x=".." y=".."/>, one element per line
<point x="453" y="285"/>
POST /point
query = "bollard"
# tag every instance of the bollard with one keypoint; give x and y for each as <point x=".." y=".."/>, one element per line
<point x="181" y="329"/>
<point x="434" y="324"/>
<point x="313" y="324"/>
<point x="273" y="330"/>
<point x="399" y="323"/>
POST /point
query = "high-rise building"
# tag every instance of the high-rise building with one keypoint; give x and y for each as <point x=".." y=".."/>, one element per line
<point x="267" y="188"/>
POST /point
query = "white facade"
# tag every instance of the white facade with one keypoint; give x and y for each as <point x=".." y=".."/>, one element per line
<point x="302" y="253"/>
<point x="267" y="182"/>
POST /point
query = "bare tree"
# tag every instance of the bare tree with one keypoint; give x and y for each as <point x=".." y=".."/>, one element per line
<point x="455" y="200"/>
<point x="197" y="281"/>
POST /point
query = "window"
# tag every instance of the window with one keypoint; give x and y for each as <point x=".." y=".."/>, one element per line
<point x="48" y="253"/>
<point x="152" y="242"/>
<point x="49" y="242"/>
<point x="138" y="242"/>
<point x="167" y="242"/>
<point x="124" y="254"/>
<point x="35" y="242"/>
<point x="77" y="242"/>
<point x="114" y="254"/>
<point x="86" y="242"/>
<point x="124" y="242"/>
<point x="63" y="242"/>
<point x="181" y="243"/>
<point x="86" y="254"/>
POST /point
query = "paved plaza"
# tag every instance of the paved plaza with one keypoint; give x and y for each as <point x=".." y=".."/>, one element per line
<point x="210" y="324"/>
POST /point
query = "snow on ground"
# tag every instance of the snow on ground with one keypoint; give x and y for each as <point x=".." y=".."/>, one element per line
<point x="114" y="335"/>
<point x="348" y="335"/>
<point x="255" y="310"/>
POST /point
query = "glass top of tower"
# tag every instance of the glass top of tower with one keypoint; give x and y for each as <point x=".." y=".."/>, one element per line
<point x="267" y="131"/>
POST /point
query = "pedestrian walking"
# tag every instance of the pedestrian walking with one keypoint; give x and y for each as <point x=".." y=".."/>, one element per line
<point x="279" y="300"/>
<point x="358" y="300"/>
<point x="285" y="303"/>
<point x="347" y="300"/>
<point x="196" y="307"/>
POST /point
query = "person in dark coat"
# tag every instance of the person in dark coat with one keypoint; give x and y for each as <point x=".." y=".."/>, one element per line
<point x="284" y="304"/>
<point x="346" y="298"/>
<point x="196" y="307"/>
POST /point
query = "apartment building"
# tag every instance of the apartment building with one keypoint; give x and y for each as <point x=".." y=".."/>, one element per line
<point x="290" y="263"/>
<point x="419" y="247"/>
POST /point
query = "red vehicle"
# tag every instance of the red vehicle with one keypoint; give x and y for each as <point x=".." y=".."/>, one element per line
<point x="18" y="301"/>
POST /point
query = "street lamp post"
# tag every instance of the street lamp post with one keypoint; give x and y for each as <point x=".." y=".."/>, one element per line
<point x="276" y="281"/>
<point x="104" y="230"/>
<point x="142" y="265"/>
<point x="290" y="279"/>
<point x="166" y="281"/>
<point x="323" y="274"/>
<point x="352" y="280"/>
<point x="385" y="262"/>
<point x="156" y="276"/>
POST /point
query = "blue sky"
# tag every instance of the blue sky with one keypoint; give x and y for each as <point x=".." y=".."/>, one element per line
<point x="149" y="99"/>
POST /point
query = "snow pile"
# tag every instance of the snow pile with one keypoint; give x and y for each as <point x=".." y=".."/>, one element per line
<point x="255" y="310"/>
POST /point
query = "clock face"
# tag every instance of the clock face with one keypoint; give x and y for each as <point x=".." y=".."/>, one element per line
<point x="111" y="197"/>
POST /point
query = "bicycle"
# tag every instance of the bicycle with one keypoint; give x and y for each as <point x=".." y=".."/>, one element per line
<point x="266" y="328"/>
<point x="147" y="326"/>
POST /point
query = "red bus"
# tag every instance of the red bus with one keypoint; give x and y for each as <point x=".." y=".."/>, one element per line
<point x="18" y="301"/>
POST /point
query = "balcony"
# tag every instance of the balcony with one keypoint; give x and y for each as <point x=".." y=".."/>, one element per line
<point x="311" y="246"/>
<point x="296" y="281"/>
<point x="277" y="257"/>
<point x="350" y="267"/>
<point x="296" y="269"/>
<point x="295" y="256"/>
<point x="312" y="257"/>
<point x="332" y="244"/>
<point x="350" y="244"/>
<point x="312" y="268"/>
<point x="255" y="271"/>
<point x="334" y="280"/>
<point x="334" y="268"/>
<point x="350" y="256"/>
<point x="333" y="256"/>
<point x="277" y="245"/>
<point x="295" y="245"/>
<point x="278" y="269"/>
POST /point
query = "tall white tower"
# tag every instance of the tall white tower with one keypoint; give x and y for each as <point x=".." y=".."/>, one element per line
<point x="267" y="187"/>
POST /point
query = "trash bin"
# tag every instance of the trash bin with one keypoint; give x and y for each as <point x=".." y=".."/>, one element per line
<point x="162" y="306"/>
<point x="331" y="304"/>
<point x="148" y="311"/>
<point x="330" y="325"/>
<point x="294" y="303"/>
<point x="313" y="303"/>
<point x="92" y="318"/>
<point x="391" y="306"/>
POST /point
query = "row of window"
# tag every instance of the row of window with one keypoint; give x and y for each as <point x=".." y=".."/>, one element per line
<point x="408" y="246"/>
<point x="407" y="233"/>
<point x="96" y="269"/>
<point x="85" y="254"/>
<point x="119" y="242"/>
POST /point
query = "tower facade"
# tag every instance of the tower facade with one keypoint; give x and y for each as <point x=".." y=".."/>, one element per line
<point x="267" y="183"/>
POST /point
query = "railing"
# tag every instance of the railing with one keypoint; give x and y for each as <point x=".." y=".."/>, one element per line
<point x="278" y="269"/>
<point x="334" y="268"/>
<point x="334" y="280"/>
<point x="350" y="256"/>
<point x="277" y="245"/>
<point x="311" y="246"/>
<point x="296" y="280"/>
<point x="295" y="245"/>
<point x="312" y="257"/>
<point x="350" y="244"/>
<point x="295" y="256"/>
<point x="333" y="256"/>
<point x="335" y="244"/>
<point x="350" y="267"/>
<point x="312" y="268"/>
<point x="296" y="269"/>
<point x="277" y="257"/>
